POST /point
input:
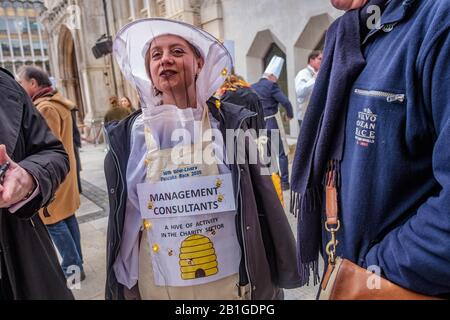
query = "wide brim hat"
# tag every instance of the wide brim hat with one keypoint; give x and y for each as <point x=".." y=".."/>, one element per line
<point x="133" y="41"/>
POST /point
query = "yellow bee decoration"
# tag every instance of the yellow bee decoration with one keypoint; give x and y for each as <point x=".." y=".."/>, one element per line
<point x="224" y="72"/>
<point x="221" y="198"/>
<point x="150" y="205"/>
<point x="171" y="253"/>
<point x="147" y="225"/>
<point x="219" y="183"/>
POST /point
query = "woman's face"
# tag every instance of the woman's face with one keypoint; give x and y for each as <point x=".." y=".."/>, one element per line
<point x="125" y="103"/>
<point x="348" y="4"/>
<point x="173" y="65"/>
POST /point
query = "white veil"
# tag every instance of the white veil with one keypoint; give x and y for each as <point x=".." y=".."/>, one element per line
<point x="133" y="41"/>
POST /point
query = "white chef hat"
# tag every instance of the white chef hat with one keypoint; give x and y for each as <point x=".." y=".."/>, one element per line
<point x="275" y="67"/>
<point x="133" y="41"/>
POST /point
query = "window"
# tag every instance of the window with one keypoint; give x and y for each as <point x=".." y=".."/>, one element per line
<point x="21" y="25"/>
<point x="16" y="48"/>
<point x="45" y="46"/>
<point x="6" y="49"/>
<point x="26" y="48"/>
<point x="3" y="29"/>
<point x="34" y="26"/>
<point x="12" y="26"/>
<point x="37" y="48"/>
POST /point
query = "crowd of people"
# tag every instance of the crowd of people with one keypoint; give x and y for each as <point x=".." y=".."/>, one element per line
<point x="195" y="211"/>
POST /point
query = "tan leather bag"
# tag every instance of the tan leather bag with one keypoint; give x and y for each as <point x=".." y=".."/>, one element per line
<point x="345" y="280"/>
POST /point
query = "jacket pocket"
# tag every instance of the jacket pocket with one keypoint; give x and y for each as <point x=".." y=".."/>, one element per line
<point x="390" y="97"/>
<point x="376" y="116"/>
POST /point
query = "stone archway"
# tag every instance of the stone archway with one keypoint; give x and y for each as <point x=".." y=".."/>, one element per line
<point x="262" y="44"/>
<point x="312" y="38"/>
<point x="264" y="47"/>
<point x="68" y="66"/>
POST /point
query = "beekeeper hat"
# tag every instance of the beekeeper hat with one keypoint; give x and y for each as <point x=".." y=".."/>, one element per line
<point x="133" y="41"/>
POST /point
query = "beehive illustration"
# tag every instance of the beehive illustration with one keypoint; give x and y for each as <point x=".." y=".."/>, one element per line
<point x="198" y="258"/>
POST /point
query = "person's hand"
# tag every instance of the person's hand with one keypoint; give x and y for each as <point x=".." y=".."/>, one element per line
<point x="285" y="117"/>
<point x="17" y="182"/>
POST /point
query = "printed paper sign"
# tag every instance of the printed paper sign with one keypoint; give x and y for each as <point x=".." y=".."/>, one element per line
<point x="187" y="197"/>
<point x="194" y="250"/>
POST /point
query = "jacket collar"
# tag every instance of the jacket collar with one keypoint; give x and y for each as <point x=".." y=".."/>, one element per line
<point x="395" y="12"/>
<point x="229" y="115"/>
<point x="311" y="70"/>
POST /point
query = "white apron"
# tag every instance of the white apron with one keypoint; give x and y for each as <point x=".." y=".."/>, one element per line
<point x="189" y="248"/>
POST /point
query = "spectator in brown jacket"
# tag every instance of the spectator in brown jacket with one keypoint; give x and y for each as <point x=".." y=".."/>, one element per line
<point x="60" y="215"/>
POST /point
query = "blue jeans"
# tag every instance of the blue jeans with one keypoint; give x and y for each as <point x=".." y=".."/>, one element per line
<point x="282" y="157"/>
<point x="66" y="236"/>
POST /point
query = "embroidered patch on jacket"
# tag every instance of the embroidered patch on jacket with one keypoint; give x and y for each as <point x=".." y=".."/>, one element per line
<point x="366" y="128"/>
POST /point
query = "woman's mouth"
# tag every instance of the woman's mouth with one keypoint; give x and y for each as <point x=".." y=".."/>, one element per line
<point x="167" y="74"/>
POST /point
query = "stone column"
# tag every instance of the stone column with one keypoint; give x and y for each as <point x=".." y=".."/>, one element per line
<point x="212" y="18"/>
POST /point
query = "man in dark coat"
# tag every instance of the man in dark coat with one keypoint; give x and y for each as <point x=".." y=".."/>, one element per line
<point x="29" y="268"/>
<point x="271" y="97"/>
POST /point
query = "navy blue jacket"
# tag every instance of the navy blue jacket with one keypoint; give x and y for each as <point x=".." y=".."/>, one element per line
<point x="395" y="198"/>
<point x="271" y="96"/>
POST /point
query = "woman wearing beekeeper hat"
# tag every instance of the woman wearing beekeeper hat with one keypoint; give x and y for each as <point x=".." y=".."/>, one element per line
<point x="189" y="219"/>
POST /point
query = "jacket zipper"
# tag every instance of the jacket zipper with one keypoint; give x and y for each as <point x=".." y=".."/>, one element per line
<point x="390" y="97"/>
<point x="385" y="26"/>
<point x="242" y="216"/>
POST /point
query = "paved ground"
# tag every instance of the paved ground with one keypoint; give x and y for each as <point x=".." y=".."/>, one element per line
<point x="93" y="224"/>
